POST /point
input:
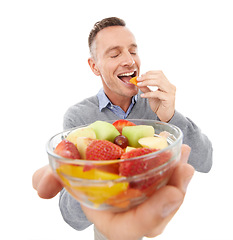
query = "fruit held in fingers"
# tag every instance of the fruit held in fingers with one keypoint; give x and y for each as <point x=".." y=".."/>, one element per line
<point x="134" y="81"/>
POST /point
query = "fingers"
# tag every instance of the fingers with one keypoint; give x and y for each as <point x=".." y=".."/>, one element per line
<point x="181" y="177"/>
<point x="157" y="94"/>
<point x="154" y="78"/>
<point x="165" y="90"/>
<point x="161" y="99"/>
<point x="159" y="80"/>
<point x="185" y="152"/>
<point x="46" y="183"/>
<point x="183" y="172"/>
<point x="37" y="176"/>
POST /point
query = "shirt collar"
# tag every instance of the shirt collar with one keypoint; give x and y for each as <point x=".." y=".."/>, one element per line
<point x="104" y="100"/>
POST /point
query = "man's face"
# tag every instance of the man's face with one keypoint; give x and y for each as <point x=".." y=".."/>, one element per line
<point x="117" y="61"/>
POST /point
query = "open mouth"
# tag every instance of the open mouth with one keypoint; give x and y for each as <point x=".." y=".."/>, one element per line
<point x="125" y="77"/>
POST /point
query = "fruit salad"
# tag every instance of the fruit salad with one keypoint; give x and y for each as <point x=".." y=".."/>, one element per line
<point x="119" y="156"/>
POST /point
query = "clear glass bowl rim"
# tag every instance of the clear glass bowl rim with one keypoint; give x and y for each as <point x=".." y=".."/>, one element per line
<point x="103" y="162"/>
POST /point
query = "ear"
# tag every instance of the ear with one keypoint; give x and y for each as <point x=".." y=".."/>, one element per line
<point x="93" y="66"/>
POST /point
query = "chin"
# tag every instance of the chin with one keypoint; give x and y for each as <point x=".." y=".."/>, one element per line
<point x="132" y="92"/>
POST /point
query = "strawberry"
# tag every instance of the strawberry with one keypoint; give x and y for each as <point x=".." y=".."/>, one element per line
<point x="67" y="149"/>
<point x="154" y="180"/>
<point x="134" y="167"/>
<point x="119" y="124"/>
<point x="103" y="150"/>
<point x="142" y="165"/>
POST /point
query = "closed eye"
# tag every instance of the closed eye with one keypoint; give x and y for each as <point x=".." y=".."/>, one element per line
<point x="114" y="56"/>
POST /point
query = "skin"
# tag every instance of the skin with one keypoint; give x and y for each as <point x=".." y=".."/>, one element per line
<point x="45" y="183"/>
<point x="162" y="101"/>
<point x="116" y="53"/>
<point x="148" y="219"/>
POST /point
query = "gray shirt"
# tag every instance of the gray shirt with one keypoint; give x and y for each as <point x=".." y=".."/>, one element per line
<point x="88" y="111"/>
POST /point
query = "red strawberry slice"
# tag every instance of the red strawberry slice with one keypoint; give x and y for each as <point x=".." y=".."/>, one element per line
<point x="142" y="165"/>
<point x="119" y="124"/>
<point x="154" y="181"/>
<point x="103" y="150"/>
<point x="67" y="149"/>
<point x="134" y="167"/>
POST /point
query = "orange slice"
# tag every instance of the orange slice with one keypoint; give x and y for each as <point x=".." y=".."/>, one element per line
<point x="134" y="80"/>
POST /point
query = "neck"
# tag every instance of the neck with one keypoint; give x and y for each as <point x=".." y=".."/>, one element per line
<point x="121" y="101"/>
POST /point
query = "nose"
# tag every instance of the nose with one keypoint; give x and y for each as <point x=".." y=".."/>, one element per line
<point x="128" y="59"/>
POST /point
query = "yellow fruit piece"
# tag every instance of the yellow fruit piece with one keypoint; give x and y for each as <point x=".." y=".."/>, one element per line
<point x="128" y="148"/>
<point x="98" y="193"/>
<point x="153" y="142"/>
<point x="81" y="132"/>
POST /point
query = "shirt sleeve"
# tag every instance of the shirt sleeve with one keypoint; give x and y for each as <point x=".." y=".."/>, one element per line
<point x="201" y="148"/>
<point x="72" y="212"/>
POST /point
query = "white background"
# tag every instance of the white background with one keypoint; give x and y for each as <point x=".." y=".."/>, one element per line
<point x="44" y="70"/>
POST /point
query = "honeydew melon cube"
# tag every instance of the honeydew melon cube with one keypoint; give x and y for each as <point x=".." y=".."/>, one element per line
<point x="134" y="133"/>
<point x="104" y="130"/>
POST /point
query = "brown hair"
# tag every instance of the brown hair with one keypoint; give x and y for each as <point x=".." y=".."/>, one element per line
<point x="106" y="22"/>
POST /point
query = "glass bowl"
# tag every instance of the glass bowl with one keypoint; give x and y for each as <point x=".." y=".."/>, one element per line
<point x="97" y="184"/>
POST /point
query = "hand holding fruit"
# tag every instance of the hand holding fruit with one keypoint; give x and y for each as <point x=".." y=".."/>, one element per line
<point x="147" y="219"/>
<point x="162" y="101"/>
<point x="135" y="223"/>
<point x="151" y="217"/>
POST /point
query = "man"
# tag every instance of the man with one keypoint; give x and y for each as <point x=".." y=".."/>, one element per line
<point x="115" y="59"/>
